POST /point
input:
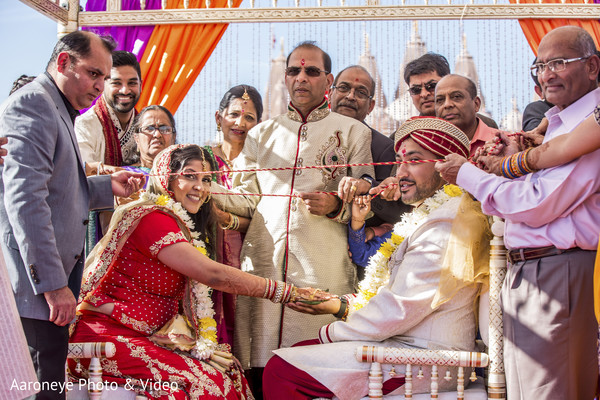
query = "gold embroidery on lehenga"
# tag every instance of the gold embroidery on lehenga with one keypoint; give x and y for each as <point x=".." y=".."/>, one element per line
<point x="140" y="326"/>
<point x="110" y="366"/>
<point x="93" y="300"/>
<point x="170" y="238"/>
<point x="198" y="376"/>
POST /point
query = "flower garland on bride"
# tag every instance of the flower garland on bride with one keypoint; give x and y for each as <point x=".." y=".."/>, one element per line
<point x="377" y="273"/>
<point x="206" y="340"/>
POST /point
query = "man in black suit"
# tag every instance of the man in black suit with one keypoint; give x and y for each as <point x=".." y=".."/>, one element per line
<point x="352" y="96"/>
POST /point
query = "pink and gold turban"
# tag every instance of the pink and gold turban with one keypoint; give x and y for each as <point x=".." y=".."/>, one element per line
<point x="434" y="134"/>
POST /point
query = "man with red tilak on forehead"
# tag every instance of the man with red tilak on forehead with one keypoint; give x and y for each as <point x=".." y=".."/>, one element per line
<point x="421" y="301"/>
<point x="300" y="240"/>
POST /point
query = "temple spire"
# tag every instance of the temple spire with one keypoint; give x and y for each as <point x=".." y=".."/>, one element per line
<point x="465" y="65"/>
<point x="378" y="118"/>
<point x="275" y="99"/>
<point x="402" y="107"/>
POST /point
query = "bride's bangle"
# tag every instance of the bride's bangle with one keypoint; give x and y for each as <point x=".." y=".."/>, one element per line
<point x="278" y="291"/>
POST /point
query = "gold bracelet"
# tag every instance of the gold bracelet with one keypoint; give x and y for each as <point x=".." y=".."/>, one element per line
<point x="229" y="225"/>
<point x="234" y="223"/>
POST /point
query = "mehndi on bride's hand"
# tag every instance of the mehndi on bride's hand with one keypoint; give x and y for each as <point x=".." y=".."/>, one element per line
<point x="311" y="295"/>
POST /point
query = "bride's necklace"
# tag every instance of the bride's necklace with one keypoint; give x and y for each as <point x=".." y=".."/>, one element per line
<point x="206" y="334"/>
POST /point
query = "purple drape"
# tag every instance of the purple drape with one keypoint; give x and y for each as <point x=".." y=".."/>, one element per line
<point x="128" y="38"/>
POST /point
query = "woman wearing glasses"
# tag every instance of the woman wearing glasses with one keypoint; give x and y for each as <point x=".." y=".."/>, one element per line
<point x="154" y="131"/>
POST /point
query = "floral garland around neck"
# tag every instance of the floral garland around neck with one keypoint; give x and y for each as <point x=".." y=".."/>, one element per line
<point x="206" y="337"/>
<point x="377" y="272"/>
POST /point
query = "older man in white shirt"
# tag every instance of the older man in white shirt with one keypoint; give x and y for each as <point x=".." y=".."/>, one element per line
<point x="552" y="222"/>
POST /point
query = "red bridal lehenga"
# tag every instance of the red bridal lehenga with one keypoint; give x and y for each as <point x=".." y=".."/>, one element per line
<point x="146" y="295"/>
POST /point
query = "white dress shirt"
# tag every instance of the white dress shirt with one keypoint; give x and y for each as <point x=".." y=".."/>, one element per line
<point x="557" y="206"/>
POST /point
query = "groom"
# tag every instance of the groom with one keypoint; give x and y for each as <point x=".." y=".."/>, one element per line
<point x="423" y="305"/>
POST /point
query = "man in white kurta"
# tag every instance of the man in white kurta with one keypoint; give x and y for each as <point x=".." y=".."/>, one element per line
<point x="424" y="304"/>
<point x="105" y="131"/>
<point x="300" y="240"/>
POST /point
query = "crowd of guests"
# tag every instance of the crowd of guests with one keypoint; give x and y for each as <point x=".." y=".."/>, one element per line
<point x="186" y="243"/>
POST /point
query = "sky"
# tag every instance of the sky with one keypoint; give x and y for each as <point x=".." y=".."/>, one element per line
<point x="28" y="38"/>
<point x="243" y="56"/>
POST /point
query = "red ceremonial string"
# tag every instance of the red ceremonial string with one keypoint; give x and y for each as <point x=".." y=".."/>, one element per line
<point x="302" y="167"/>
<point x="297" y="168"/>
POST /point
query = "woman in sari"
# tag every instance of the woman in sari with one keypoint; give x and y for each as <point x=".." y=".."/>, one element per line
<point x="154" y="129"/>
<point x="147" y="285"/>
<point x="239" y="111"/>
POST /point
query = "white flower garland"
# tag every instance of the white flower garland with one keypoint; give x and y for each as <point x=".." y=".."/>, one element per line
<point x="377" y="272"/>
<point x="206" y="340"/>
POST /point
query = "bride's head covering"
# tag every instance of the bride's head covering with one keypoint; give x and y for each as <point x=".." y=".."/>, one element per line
<point x="160" y="177"/>
<point x="126" y="217"/>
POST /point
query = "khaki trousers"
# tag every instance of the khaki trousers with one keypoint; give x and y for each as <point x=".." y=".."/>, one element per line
<point x="550" y="331"/>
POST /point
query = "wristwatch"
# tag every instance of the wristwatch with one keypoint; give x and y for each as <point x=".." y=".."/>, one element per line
<point x="342" y="312"/>
<point x="367" y="178"/>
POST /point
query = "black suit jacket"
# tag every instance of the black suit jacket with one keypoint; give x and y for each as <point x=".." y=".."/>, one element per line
<point x="382" y="150"/>
<point x="533" y="114"/>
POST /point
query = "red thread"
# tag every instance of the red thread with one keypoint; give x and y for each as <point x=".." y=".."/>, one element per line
<point x="304" y="167"/>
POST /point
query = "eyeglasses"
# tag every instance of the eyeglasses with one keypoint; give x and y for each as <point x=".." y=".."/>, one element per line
<point x="310" y="71"/>
<point x="557" y="65"/>
<point x="359" y="93"/>
<point x="151" y="129"/>
<point x="415" y="90"/>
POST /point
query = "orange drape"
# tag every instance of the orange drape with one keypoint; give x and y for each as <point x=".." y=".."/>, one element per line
<point x="535" y="29"/>
<point x="175" y="55"/>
